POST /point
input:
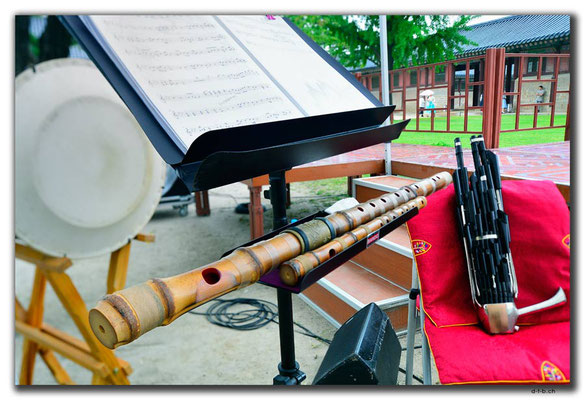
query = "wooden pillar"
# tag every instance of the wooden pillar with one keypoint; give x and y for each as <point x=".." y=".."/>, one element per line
<point x="492" y="98"/>
<point x="256" y="213"/>
<point x="568" y="123"/>
<point x="202" y="203"/>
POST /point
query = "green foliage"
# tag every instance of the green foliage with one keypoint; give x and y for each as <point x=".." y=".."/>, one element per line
<point x="416" y="39"/>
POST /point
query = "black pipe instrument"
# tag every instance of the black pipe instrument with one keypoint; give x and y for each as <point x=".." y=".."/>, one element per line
<point x="484" y="228"/>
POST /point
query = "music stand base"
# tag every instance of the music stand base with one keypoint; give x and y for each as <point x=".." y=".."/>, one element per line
<point x="289" y="376"/>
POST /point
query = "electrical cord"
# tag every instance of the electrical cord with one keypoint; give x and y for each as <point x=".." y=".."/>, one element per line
<point x="260" y="313"/>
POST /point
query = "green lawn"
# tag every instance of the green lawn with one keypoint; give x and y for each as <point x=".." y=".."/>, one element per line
<point x="507" y="139"/>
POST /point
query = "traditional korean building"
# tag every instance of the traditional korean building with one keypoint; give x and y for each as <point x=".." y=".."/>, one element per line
<point x="539" y="34"/>
<point x="520" y="34"/>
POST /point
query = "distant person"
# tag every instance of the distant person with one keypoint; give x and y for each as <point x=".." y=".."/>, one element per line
<point x="430" y="103"/>
<point x="504" y="104"/>
<point x="540" y="93"/>
<point x="421" y="105"/>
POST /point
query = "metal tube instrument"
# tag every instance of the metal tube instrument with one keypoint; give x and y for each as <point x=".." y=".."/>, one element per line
<point x="485" y="231"/>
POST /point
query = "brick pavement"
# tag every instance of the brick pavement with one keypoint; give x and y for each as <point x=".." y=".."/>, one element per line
<point x="549" y="161"/>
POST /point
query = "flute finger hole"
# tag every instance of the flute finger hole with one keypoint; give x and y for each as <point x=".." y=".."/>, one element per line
<point x="372" y="204"/>
<point x="331" y="252"/>
<point x="383" y="200"/>
<point x="211" y="276"/>
<point x="360" y="209"/>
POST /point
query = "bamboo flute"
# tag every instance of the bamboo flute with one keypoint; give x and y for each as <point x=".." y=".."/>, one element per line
<point x="293" y="270"/>
<point x="123" y="316"/>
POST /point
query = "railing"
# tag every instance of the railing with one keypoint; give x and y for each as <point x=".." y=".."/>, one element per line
<point x="548" y="70"/>
<point x="479" y="89"/>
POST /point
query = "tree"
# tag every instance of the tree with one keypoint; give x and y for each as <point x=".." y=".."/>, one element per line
<point x="55" y="40"/>
<point x="22" y="54"/>
<point x="412" y="39"/>
<point x="53" y="43"/>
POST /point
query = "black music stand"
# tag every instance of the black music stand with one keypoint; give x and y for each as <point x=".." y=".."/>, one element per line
<point x="289" y="371"/>
<point x="225" y="167"/>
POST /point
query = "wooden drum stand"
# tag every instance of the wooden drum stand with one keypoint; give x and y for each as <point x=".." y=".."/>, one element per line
<point x="45" y="340"/>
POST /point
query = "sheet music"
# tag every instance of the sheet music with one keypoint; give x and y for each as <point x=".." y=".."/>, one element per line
<point x="194" y="73"/>
<point x="203" y="73"/>
<point x="313" y="83"/>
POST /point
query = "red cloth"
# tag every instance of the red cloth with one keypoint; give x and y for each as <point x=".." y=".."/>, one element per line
<point x="466" y="354"/>
<point x="539" y="227"/>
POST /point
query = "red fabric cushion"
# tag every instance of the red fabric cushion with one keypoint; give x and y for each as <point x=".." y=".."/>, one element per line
<point x="534" y="354"/>
<point x="539" y="227"/>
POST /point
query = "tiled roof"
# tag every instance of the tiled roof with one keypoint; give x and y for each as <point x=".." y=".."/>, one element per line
<point x="516" y="31"/>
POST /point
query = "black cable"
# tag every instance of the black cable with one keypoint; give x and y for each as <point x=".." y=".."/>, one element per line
<point x="261" y="313"/>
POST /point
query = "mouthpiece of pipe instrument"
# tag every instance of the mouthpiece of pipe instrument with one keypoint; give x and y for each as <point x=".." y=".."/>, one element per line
<point x="123" y="316"/>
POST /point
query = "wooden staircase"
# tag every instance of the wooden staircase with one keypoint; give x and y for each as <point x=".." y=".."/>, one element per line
<point x="380" y="274"/>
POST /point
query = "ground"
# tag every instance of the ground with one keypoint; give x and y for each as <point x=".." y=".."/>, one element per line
<point x="192" y="351"/>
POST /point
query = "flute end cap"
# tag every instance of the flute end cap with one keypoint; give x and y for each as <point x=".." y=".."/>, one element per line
<point x="108" y="325"/>
<point x="288" y="275"/>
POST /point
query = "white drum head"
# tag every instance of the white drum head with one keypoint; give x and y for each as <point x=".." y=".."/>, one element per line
<point x="87" y="179"/>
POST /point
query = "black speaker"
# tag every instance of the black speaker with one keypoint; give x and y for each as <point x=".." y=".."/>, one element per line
<point x="364" y="351"/>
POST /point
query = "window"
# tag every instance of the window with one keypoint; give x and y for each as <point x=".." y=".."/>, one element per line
<point x="532" y="66"/>
<point x="396" y="79"/>
<point x="413" y="77"/>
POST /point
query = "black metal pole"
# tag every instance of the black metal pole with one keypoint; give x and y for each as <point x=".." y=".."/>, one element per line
<point x="288" y="365"/>
<point x="289" y="372"/>
<point x="278" y="198"/>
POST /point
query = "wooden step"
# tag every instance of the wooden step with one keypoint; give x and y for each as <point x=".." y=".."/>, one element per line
<point x="390" y="257"/>
<point x="349" y="288"/>
<point x="365" y="189"/>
